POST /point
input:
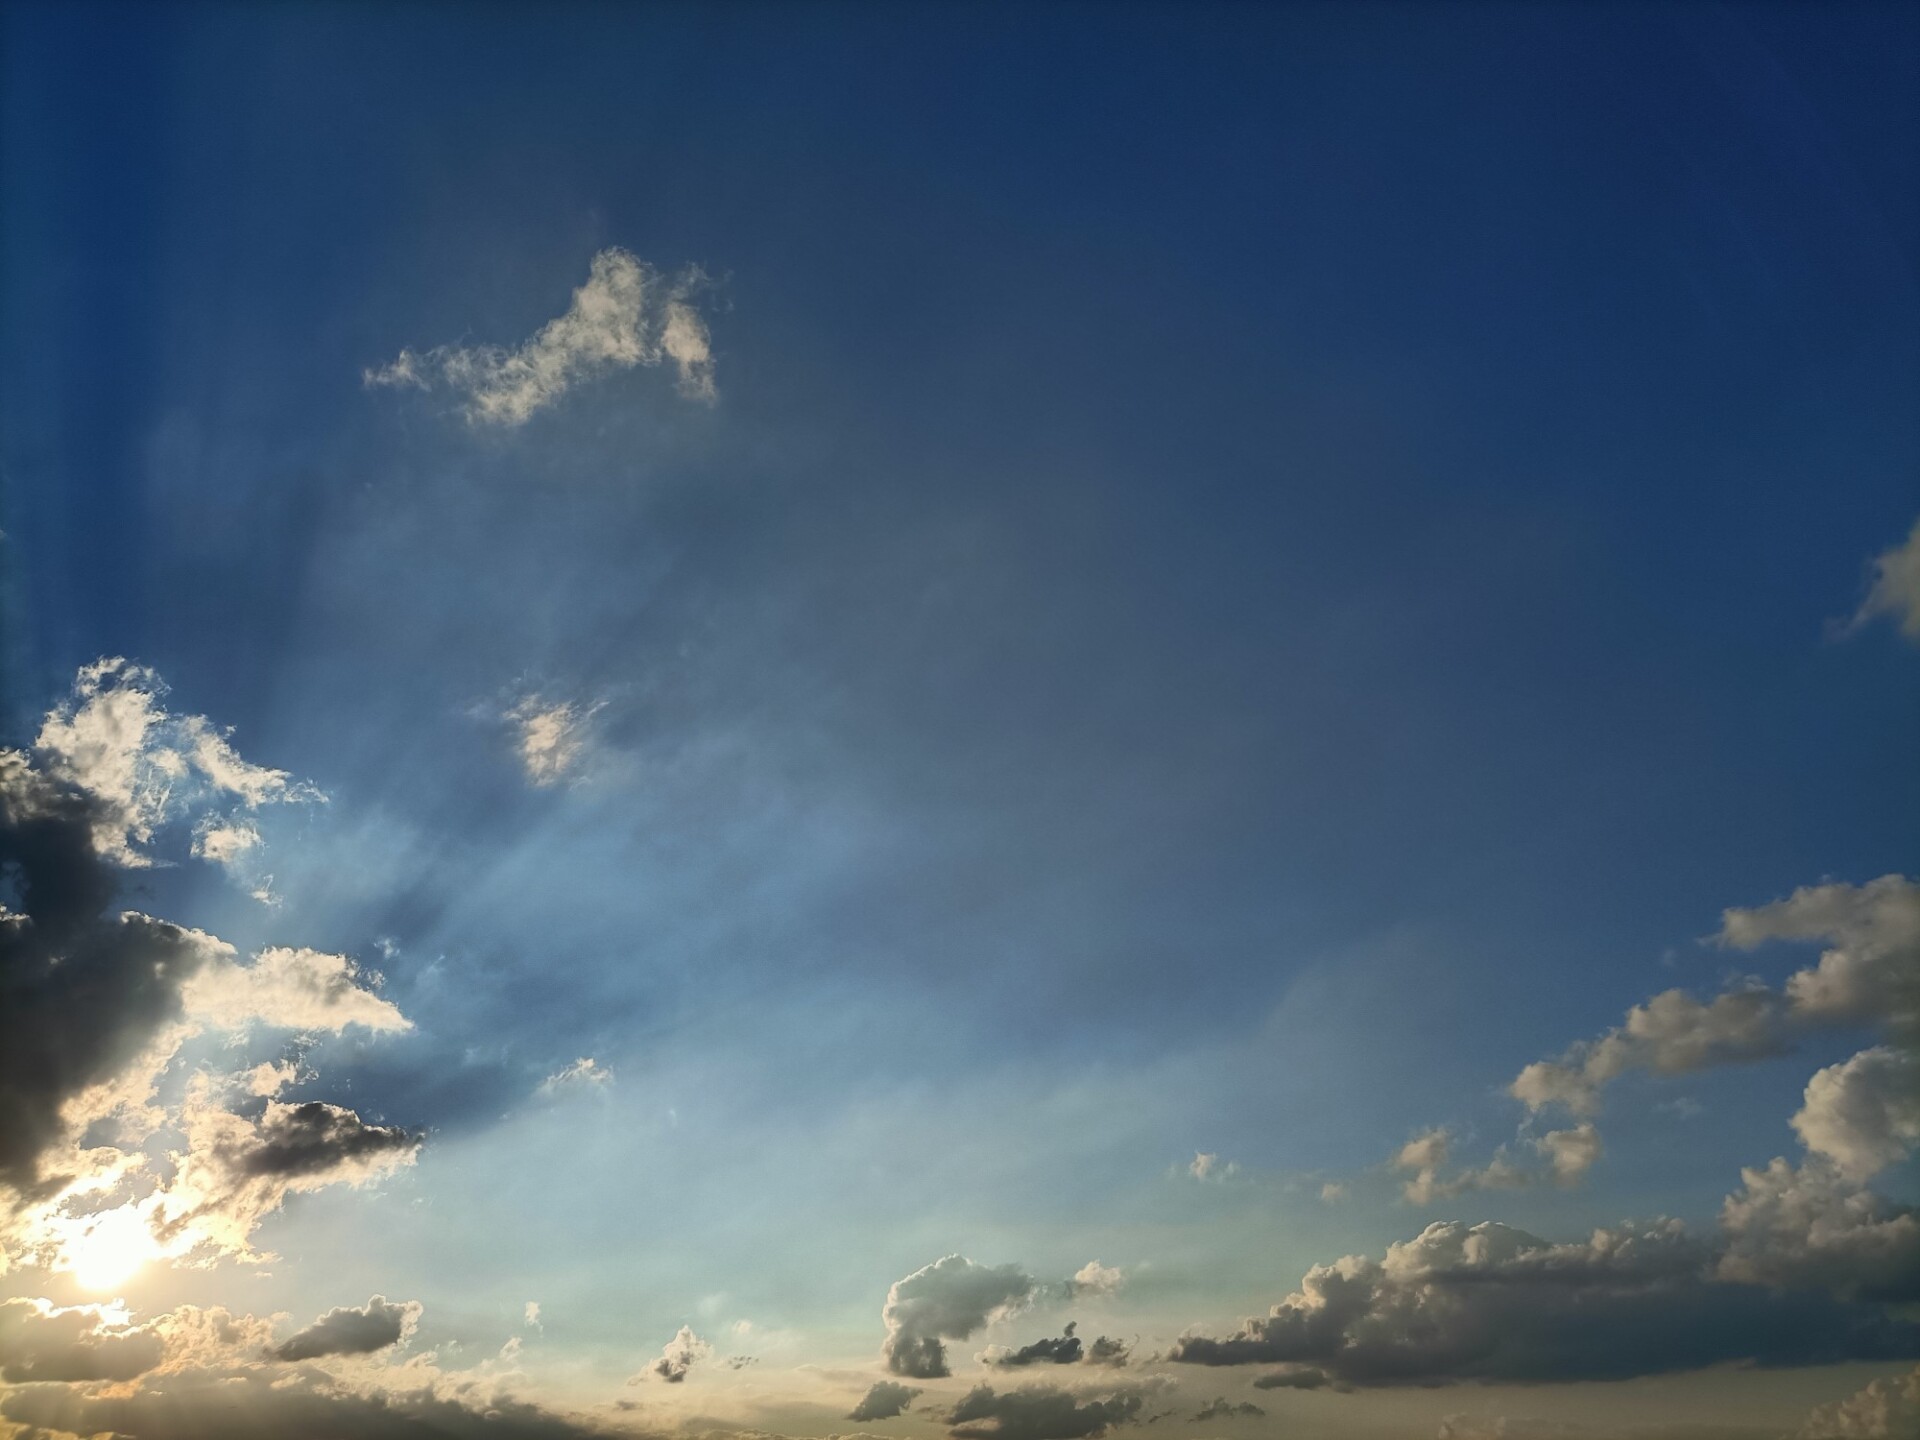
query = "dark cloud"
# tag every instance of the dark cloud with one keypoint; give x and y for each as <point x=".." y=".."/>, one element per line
<point x="314" y="1138"/>
<point x="41" y="1343"/>
<point x="353" y="1331"/>
<point x="1107" y="1351"/>
<point x="950" y="1299"/>
<point x="885" y="1400"/>
<point x="287" y="1406"/>
<point x="1040" y="1412"/>
<point x="1488" y="1302"/>
<point x="81" y="994"/>
<point x="1294" y="1377"/>
<point x="1045" y="1351"/>
<point x="1222" y="1408"/>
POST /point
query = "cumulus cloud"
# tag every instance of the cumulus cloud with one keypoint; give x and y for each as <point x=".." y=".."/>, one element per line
<point x="627" y="314"/>
<point x="1489" y="1302"/>
<point x="1041" y="1412"/>
<point x="1093" y="1279"/>
<point x="1895" y="591"/>
<point x="95" y="1007"/>
<point x="679" y="1356"/>
<point x="886" y="1399"/>
<point x="1106" y="1350"/>
<point x="1884" y="1410"/>
<point x="951" y="1299"/>
<point x="143" y="767"/>
<point x="1812" y="1226"/>
<point x="39" y="1342"/>
<point x="1868" y="975"/>
<point x="353" y="1330"/>
<point x="1568" y="1155"/>
<point x="1863" y="1114"/>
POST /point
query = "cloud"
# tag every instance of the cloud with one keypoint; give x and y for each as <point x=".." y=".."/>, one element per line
<point x="552" y="736"/>
<point x="1093" y="1279"/>
<point x="1045" y="1351"/>
<point x="1895" y="592"/>
<point x="1108" y="1351"/>
<point x="1040" y="1412"/>
<point x="1813" y="1227"/>
<point x="886" y="1399"/>
<point x="1884" y="1410"/>
<point x="143" y="767"/>
<point x="347" y="1330"/>
<point x="80" y="1343"/>
<point x="586" y="1073"/>
<point x="1221" y="1408"/>
<point x="951" y="1299"/>
<point x="1868" y="975"/>
<point x="1569" y="1154"/>
<point x="531" y="1315"/>
<point x="1294" y="1377"/>
<point x="1489" y="1302"/>
<point x="627" y="314"/>
<point x="1863" y="1114"/>
<point x="1332" y="1193"/>
<point x="287" y="988"/>
<point x="1205" y="1166"/>
<point x="677" y="1358"/>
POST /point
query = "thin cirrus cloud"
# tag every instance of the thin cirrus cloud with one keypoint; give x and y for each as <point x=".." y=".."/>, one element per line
<point x="628" y="314"/>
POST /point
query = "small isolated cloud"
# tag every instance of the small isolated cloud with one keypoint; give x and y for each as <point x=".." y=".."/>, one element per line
<point x="1041" y="1412"/>
<point x="1332" y="1193"/>
<point x="1205" y="1166"/>
<point x="679" y="1356"/>
<point x="550" y="736"/>
<point x="886" y="1399"/>
<point x="1895" y="591"/>
<point x="627" y="314"/>
<point x="586" y="1073"/>
<point x="350" y="1330"/>
<point x="530" y="1317"/>
<point x="1884" y="1410"/>
<point x="951" y="1299"/>
<point x="1093" y="1279"/>
<point x="1221" y="1408"/>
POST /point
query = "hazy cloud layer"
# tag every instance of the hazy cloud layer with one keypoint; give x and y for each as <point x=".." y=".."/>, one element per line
<point x="353" y="1330"/>
<point x="1489" y="1302"/>
<point x="951" y="1299"/>
<point x="627" y="314"/>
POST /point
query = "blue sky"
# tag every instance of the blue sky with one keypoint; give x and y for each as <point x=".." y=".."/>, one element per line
<point x="974" y="605"/>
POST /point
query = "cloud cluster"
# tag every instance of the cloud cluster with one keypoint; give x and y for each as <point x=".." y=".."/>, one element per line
<point x="1041" y="1412"/>
<point x="1565" y="1157"/>
<point x="96" y="1008"/>
<point x="951" y="1299"/>
<point x="353" y="1330"/>
<point x="1489" y="1302"/>
<point x="627" y="314"/>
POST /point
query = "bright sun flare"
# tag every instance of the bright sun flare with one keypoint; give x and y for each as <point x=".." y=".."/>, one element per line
<point x="109" y="1249"/>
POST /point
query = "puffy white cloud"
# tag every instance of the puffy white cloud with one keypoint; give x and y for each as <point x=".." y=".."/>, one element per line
<point x="1489" y="1302"/>
<point x="951" y="1299"/>
<point x="1884" y="1410"/>
<point x="1864" y="1113"/>
<point x="1895" y="592"/>
<point x="1093" y="1278"/>
<point x="1811" y="1226"/>
<point x="287" y="988"/>
<point x="627" y="314"/>
<point x="680" y="1355"/>
<point x="353" y="1330"/>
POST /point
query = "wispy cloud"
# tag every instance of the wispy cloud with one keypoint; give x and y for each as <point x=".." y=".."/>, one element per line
<point x="627" y="314"/>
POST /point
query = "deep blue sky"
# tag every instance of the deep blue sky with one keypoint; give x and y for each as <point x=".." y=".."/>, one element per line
<point x="1295" y="549"/>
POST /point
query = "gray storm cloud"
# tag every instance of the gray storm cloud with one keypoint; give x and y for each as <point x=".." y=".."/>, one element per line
<point x="353" y="1330"/>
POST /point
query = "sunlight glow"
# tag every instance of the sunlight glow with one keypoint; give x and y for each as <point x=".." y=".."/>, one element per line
<point x="108" y="1249"/>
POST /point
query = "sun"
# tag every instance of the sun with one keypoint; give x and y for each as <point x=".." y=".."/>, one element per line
<point x="107" y="1249"/>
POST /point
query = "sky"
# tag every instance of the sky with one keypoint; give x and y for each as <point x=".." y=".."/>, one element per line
<point x="959" y="722"/>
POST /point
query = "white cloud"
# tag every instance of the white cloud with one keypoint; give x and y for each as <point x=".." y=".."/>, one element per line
<point x="1206" y="1166"/>
<point x="1093" y="1278"/>
<point x="1884" y="1410"/>
<point x="1568" y="1154"/>
<point x="627" y="314"/>
<point x="551" y="736"/>
<point x="288" y="988"/>
<point x="950" y="1299"/>
<point x="586" y="1073"/>
<point x="1812" y="1226"/>
<point x="1896" y="587"/>
<point x="1863" y="1114"/>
